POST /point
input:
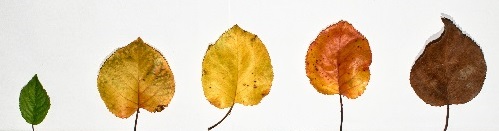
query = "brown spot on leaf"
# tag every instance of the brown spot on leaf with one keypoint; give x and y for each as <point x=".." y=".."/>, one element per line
<point x="160" y="108"/>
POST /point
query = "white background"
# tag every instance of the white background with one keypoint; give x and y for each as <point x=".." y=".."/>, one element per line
<point x="65" y="43"/>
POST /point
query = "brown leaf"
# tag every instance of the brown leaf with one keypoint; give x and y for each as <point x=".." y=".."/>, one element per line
<point x="451" y="69"/>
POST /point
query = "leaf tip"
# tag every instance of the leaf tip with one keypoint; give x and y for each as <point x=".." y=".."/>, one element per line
<point x="236" y="26"/>
<point x="35" y="77"/>
<point x="343" y="22"/>
<point x="139" y="39"/>
<point x="446" y="17"/>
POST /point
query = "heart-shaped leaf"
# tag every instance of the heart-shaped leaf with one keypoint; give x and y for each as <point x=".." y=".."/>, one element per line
<point x="451" y="69"/>
<point x="236" y="69"/>
<point x="337" y="62"/>
<point x="135" y="76"/>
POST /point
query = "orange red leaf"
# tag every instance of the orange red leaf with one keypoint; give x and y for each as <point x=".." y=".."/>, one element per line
<point x="338" y="61"/>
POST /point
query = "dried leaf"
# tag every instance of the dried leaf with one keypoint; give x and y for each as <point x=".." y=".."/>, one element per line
<point x="451" y="69"/>
<point x="236" y="69"/>
<point x="337" y="62"/>
<point x="34" y="102"/>
<point x="135" y="76"/>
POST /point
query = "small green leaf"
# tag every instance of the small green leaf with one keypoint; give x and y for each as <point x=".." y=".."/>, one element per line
<point x="34" y="102"/>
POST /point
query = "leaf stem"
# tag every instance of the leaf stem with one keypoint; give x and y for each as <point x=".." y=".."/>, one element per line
<point x="32" y="127"/>
<point x="222" y="118"/>
<point x="341" y="103"/>
<point x="136" y="117"/>
<point x="447" y="119"/>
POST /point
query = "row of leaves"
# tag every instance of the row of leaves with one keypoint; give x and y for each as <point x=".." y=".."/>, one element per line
<point x="237" y="69"/>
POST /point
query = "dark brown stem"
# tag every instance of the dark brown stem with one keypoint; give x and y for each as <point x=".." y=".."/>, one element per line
<point x="32" y="127"/>
<point x="222" y="118"/>
<point x="136" y="117"/>
<point x="447" y="119"/>
<point x="341" y="124"/>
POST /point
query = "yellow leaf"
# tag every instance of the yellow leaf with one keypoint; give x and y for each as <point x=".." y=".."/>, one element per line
<point x="236" y="69"/>
<point x="337" y="62"/>
<point x="135" y="76"/>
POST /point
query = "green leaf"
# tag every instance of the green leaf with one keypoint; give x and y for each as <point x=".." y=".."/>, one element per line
<point x="34" y="102"/>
